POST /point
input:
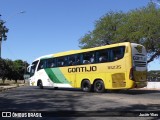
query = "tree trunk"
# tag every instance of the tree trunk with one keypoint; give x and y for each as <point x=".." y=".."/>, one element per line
<point x="0" y="46"/>
<point x="154" y="56"/>
<point x="3" y="80"/>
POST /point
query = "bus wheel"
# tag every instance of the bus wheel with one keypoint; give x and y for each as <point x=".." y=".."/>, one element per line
<point x="56" y="88"/>
<point x="99" y="86"/>
<point x="86" y="86"/>
<point x="40" y="84"/>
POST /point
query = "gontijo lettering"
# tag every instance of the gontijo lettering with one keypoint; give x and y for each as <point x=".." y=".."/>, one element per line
<point x="82" y="69"/>
<point x="141" y="58"/>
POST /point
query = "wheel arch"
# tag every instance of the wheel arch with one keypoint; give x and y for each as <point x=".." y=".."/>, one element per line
<point x="38" y="81"/>
<point x="86" y="85"/>
<point x="97" y="80"/>
<point x="84" y="80"/>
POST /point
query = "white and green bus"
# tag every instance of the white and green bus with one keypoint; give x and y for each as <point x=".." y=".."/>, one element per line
<point x="115" y="66"/>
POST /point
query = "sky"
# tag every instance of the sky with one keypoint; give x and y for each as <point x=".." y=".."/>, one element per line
<point x="51" y="26"/>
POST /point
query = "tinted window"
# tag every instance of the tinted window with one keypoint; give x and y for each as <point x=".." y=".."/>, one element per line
<point x="103" y="56"/>
<point x="72" y="60"/>
<point x="42" y="64"/>
<point x="117" y="53"/>
<point x="99" y="56"/>
<point x="78" y="59"/>
<point x="88" y="58"/>
<point x="51" y="63"/>
<point x="62" y="61"/>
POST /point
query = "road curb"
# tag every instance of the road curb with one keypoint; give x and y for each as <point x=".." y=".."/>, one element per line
<point x="158" y="89"/>
<point x="4" y="88"/>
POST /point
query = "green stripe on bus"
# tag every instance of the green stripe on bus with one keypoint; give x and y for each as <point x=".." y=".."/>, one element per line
<point x="51" y="75"/>
<point x="56" y="75"/>
<point x="59" y="75"/>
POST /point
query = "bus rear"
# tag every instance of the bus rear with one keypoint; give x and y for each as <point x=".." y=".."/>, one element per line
<point x="138" y="71"/>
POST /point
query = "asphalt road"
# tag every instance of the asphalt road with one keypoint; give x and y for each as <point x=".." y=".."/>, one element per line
<point x="34" y="99"/>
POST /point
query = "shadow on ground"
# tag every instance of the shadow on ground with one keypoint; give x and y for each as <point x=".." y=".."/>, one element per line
<point x="22" y="99"/>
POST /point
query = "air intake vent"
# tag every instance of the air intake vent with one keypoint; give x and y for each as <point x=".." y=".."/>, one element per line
<point x="118" y="80"/>
<point x="140" y="64"/>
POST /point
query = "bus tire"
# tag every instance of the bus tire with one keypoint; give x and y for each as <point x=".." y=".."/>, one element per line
<point x="40" y="84"/>
<point x="86" y="86"/>
<point x="55" y="88"/>
<point x="99" y="86"/>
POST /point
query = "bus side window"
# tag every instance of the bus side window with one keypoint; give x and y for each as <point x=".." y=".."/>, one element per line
<point x="59" y="62"/>
<point x="71" y="60"/>
<point x="78" y="59"/>
<point x="117" y="53"/>
<point x="88" y="58"/>
<point x="51" y="63"/>
<point x="62" y="61"/>
<point x="41" y="65"/>
<point x="92" y="58"/>
<point x="65" y="60"/>
<point x="102" y="56"/>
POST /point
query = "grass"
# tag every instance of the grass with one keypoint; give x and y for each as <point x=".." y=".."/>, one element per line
<point x="4" y="84"/>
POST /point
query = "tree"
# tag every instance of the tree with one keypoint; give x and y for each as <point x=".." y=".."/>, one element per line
<point x="105" y="30"/>
<point x="3" y="31"/>
<point x="12" y="70"/>
<point x="140" y="26"/>
<point x="153" y="75"/>
<point x="18" y="70"/>
<point x="3" y="70"/>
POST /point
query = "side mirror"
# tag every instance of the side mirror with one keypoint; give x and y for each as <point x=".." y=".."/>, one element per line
<point x="29" y="68"/>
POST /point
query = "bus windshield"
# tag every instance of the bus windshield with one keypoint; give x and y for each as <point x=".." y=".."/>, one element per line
<point x="33" y="68"/>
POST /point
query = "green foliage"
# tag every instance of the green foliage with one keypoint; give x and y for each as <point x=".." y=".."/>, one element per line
<point x="105" y="30"/>
<point x="3" y="31"/>
<point x="3" y="69"/>
<point x="141" y="26"/>
<point x="153" y="75"/>
<point x="12" y="70"/>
